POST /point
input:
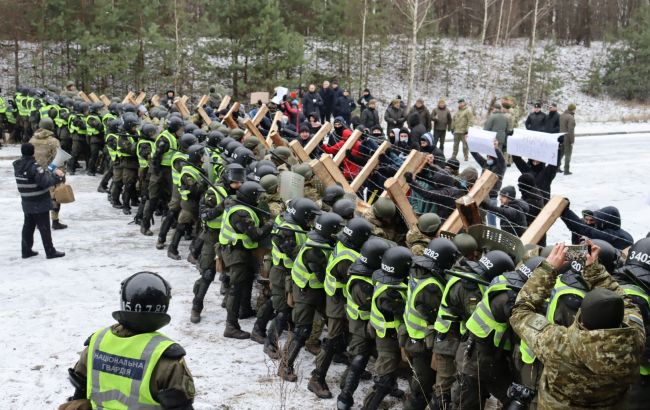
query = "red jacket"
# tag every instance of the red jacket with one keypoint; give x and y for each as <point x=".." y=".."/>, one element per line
<point x="350" y="169"/>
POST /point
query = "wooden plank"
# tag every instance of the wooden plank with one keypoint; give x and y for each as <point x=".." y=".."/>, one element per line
<point x="333" y="169"/>
<point x="182" y="108"/>
<point x="299" y="151"/>
<point x="413" y="163"/>
<point x="277" y="140"/>
<point x="370" y="166"/>
<point x="140" y="98"/>
<point x="84" y="96"/>
<point x="129" y="98"/>
<point x="274" y="126"/>
<point x="203" y="101"/>
<point x="259" y="115"/>
<point x="321" y="172"/>
<point x="394" y="190"/>
<point x="93" y="97"/>
<point x="318" y="137"/>
<point x="347" y="145"/>
<point x="224" y="103"/>
<point x="155" y="100"/>
<point x="479" y="192"/>
<point x="468" y="211"/>
<point x="206" y="118"/>
<point x="105" y="99"/>
<point x="254" y="131"/>
<point x="546" y="218"/>
<point x="228" y="119"/>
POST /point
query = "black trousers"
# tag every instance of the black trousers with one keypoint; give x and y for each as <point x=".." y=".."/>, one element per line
<point x="42" y="221"/>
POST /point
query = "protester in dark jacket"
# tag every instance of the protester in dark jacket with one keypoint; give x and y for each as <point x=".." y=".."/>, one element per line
<point x="365" y="98"/>
<point x="314" y="123"/>
<point x="344" y="106"/>
<point x="417" y="130"/>
<point x="553" y="119"/>
<point x="533" y="198"/>
<point x="512" y="211"/>
<point x="34" y="184"/>
<point x="370" y="116"/>
<point x="496" y="165"/>
<point x="544" y="174"/>
<point x="536" y="120"/>
<point x="607" y="227"/>
<point x="312" y="102"/>
<point x="444" y="194"/>
<point x="394" y="115"/>
<point x="328" y="97"/>
<point x="423" y="113"/>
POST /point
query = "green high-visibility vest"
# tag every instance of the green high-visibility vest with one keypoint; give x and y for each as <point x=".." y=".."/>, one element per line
<point x="220" y="194"/>
<point x="353" y="310"/>
<point x="44" y="111"/>
<point x="279" y="257"/>
<point x="59" y="120"/>
<point x="11" y="118"/>
<point x="302" y="276"/>
<point x="228" y="235"/>
<point x="560" y="289"/>
<point x="3" y="105"/>
<point x="416" y="323"/>
<point x="194" y="174"/>
<point x="29" y="104"/>
<point x="176" y="175"/>
<point x="20" y="104"/>
<point x="339" y="254"/>
<point x="443" y="321"/>
<point x="120" y="153"/>
<point x="377" y="319"/>
<point x="633" y="290"/>
<point x="120" y="369"/>
<point x="481" y="323"/>
<point x="173" y="147"/>
<point x="217" y="163"/>
<point x="109" y="140"/>
<point x="106" y="118"/>
<point x="90" y="130"/>
<point x="143" y="160"/>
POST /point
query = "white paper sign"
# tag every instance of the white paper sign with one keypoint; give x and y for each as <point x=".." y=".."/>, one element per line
<point x="280" y="92"/>
<point x="540" y="146"/>
<point x="481" y="141"/>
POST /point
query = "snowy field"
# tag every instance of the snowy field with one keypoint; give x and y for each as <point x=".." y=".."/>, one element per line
<point x="50" y="308"/>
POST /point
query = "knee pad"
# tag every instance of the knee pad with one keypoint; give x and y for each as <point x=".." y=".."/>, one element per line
<point x="208" y="275"/>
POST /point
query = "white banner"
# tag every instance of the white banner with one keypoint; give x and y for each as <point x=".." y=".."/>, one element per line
<point x="280" y="92"/>
<point x="481" y="141"/>
<point x="540" y="146"/>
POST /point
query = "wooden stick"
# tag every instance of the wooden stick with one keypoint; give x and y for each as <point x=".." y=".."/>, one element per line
<point x="468" y="211"/>
<point x="335" y="172"/>
<point x="155" y="100"/>
<point x="395" y="191"/>
<point x="318" y="137"/>
<point x="129" y="98"/>
<point x="204" y="115"/>
<point x="93" y="97"/>
<point x="413" y="163"/>
<point x="182" y="108"/>
<point x="321" y="172"/>
<point x="252" y="129"/>
<point x="203" y="101"/>
<point x="546" y="218"/>
<point x="274" y="126"/>
<point x="228" y="119"/>
<point x="84" y="96"/>
<point x="105" y="99"/>
<point x="277" y="140"/>
<point x="299" y="151"/>
<point x="140" y="98"/>
<point x="370" y="166"/>
<point x="349" y="143"/>
<point x="259" y="115"/>
<point x="224" y="103"/>
<point x="479" y="192"/>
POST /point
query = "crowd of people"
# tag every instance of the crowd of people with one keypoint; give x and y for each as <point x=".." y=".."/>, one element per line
<point x="471" y="318"/>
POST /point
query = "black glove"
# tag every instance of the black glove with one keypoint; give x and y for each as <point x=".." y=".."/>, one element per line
<point x="408" y="177"/>
<point x="156" y="169"/>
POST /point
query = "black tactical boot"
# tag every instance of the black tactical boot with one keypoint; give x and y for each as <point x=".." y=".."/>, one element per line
<point x="271" y="346"/>
<point x="383" y="386"/>
<point x="172" y="250"/>
<point x="259" y="333"/>
<point x="56" y="224"/>
<point x="295" y="344"/>
<point x="351" y="382"/>
<point x="233" y="331"/>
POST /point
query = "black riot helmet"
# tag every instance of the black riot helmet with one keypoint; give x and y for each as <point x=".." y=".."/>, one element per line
<point x="130" y="121"/>
<point x="149" y="130"/>
<point x="638" y="259"/>
<point x="175" y="124"/>
<point x="261" y="171"/>
<point x="190" y="127"/>
<point x="250" y="192"/>
<point x="114" y="125"/>
<point x="200" y="134"/>
<point x="114" y="108"/>
<point x="355" y="233"/>
<point x="223" y="143"/>
<point x="233" y="173"/>
<point x="442" y="253"/>
<point x="332" y="194"/>
<point x="608" y="255"/>
<point x="327" y="225"/>
<point x="129" y="108"/>
<point x="214" y="137"/>
<point x="186" y="141"/>
<point x="344" y="207"/>
<point x="372" y="252"/>
<point x="243" y="156"/>
<point x="144" y="300"/>
<point x="493" y="264"/>
<point x="195" y="153"/>
<point x="96" y="107"/>
<point x="527" y="267"/>
<point x="231" y="147"/>
<point x="395" y="264"/>
<point x="303" y="211"/>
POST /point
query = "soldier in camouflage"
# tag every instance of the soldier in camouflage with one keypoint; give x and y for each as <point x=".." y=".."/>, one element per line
<point x="388" y="225"/>
<point x="418" y="237"/>
<point x="313" y="187"/>
<point x="592" y="363"/>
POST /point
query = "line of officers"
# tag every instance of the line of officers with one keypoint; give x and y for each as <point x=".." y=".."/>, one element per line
<point x="319" y="261"/>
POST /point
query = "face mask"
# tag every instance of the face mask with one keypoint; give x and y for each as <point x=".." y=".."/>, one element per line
<point x="490" y="162"/>
<point x="403" y="139"/>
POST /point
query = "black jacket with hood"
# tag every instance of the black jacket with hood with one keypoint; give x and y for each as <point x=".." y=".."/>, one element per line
<point x="608" y="227"/>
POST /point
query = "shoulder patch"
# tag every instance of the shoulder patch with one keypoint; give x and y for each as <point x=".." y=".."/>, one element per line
<point x="174" y="351"/>
<point x="538" y="322"/>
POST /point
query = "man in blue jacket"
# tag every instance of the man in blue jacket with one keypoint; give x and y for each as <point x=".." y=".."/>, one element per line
<point x="34" y="184"/>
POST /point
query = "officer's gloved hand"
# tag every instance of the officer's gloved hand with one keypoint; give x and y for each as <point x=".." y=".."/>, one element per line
<point x="266" y="228"/>
<point x="408" y="176"/>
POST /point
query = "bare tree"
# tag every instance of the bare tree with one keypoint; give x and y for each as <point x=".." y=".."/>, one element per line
<point x="416" y="12"/>
<point x="364" y="18"/>
<point x="532" y="51"/>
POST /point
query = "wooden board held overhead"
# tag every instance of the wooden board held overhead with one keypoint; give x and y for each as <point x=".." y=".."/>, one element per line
<point x="224" y="103"/>
<point x="394" y="190"/>
<point x="204" y="115"/>
<point x="252" y="129"/>
<point x="259" y="96"/>
<point x="155" y="100"/>
<point x="84" y="96"/>
<point x="413" y="163"/>
<point x="105" y="100"/>
<point x="318" y="137"/>
<point x="93" y="97"/>
<point x="128" y="99"/>
<point x="347" y="145"/>
<point x="370" y="166"/>
<point x="229" y="119"/>
<point x="140" y="98"/>
<point x="546" y="218"/>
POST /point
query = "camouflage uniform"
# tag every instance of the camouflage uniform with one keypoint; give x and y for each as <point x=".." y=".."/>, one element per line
<point x="45" y="149"/>
<point x="582" y="369"/>
<point x="391" y="232"/>
<point x="313" y="189"/>
<point x="417" y="241"/>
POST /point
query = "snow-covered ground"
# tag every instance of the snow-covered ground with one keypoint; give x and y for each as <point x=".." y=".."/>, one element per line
<point x="50" y="307"/>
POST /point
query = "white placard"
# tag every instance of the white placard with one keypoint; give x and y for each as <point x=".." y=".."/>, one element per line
<point x="280" y="92"/>
<point x="540" y="146"/>
<point x="481" y="141"/>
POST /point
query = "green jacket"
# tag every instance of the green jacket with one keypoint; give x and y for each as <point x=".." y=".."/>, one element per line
<point x="463" y="120"/>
